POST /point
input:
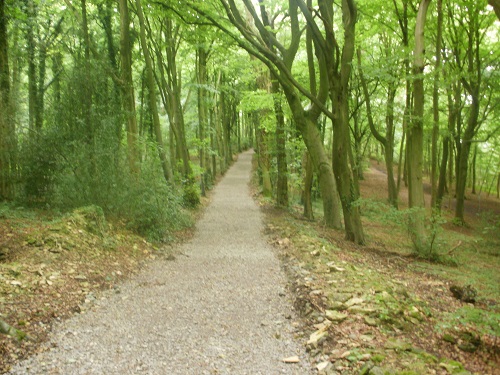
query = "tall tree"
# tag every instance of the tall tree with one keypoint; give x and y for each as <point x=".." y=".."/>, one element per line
<point x="338" y="72"/>
<point x="386" y="141"/>
<point x="31" y="11"/>
<point x="415" y="139"/>
<point x="280" y="64"/>
<point x="166" y="41"/>
<point x="127" y="87"/>
<point x="306" y="158"/>
<point x="7" y="130"/>
<point x="469" y="29"/>
<point x="435" y="105"/>
<point x="403" y="17"/>
<point x="202" y="79"/>
<point x="87" y="83"/>
<point x="167" y="173"/>
<point x="280" y="135"/>
<point x="172" y="88"/>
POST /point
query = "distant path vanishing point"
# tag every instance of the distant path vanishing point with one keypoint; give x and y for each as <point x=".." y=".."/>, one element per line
<point x="221" y="309"/>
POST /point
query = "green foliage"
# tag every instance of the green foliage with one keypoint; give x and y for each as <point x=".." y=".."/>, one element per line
<point x="434" y="229"/>
<point x="404" y="219"/>
<point x="482" y="321"/>
<point x="61" y="172"/>
<point x="91" y="218"/>
<point x="152" y="210"/>
<point x="40" y="165"/>
<point x="10" y="211"/>
<point x="191" y="195"/>
<point x="256" y="100"/>
<point x="490" y="222"/>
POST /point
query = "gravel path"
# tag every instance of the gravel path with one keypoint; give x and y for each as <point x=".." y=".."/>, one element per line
<point x="221" y="309"/>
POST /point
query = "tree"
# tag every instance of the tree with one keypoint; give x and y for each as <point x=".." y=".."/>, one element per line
<point x="7" y="129"/>
<point x="403" y="18"/>
<point x="414" y="141"/>
<point x="202" y="80"/>
<point x="168" y="80"/>
<point x="280" y="65"/>
<point x="386" y="141"/>
<point x="338" y="71"/>
<point x="87" y="87"/>
<point x="435" y="106"/>
<point x="167" y="173"/>
<point x="127" y="87"/>
<point x="468" y="32"/>
<point x="282" y="179"/>
<point x="496" y="6"/>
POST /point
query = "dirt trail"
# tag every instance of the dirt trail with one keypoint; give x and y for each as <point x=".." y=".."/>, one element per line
<point x="221" y="308"/>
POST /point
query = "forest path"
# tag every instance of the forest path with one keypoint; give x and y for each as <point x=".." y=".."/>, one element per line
<point x="220" y="309"/>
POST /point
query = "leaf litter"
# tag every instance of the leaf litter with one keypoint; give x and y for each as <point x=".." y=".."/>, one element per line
<point x="366" y="311"/>
<point x="52" y="269"/>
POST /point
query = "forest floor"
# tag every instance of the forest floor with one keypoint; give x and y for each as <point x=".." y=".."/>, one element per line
<point x="361" y="310"/>
<point x="378" y="309"/>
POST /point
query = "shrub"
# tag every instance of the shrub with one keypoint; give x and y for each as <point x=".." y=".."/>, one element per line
<point x="152" y="210"/>
<point x="191" y="195"/>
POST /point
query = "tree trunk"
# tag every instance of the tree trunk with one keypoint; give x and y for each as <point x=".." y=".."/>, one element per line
<point x="403" y="160"/>
<point x="341" y="148"/>
<point x="314" y="143"/>
<point x="389" y="149"/>
<point x="447" y="157"/>
<point x="306" y="160"/>
<point x="167" y="174"/>
<point x="40" y="96"/>
<point x="498" y="186"/>
<point x="221" y="135"/>
<point x="263" y="156"/>
<point x="202" y="116"/>
<point x="127" y="88"/>
<point x="308" y="182"/>
<point x="451" y="168"/>
<point x="416" y="136"/>
<point x="471" y="62"/>
<point x="31" y="49"/>
<point x="107" y="20"/>
<point x="387" y="142"/>
<point x="473" y="170"/>
<point x="173" y="98"/>
<point x="344" y="175"/>
<point x="442" y="173"/>
<point x="435" y="106"/>
<point x="7" y="131"/>
<point x="282" y="180"/>
<point x="87" y="86"/>
<point x="213" y="143"/>
<point x="464" y="156"/>
<point x="496" y="7"/>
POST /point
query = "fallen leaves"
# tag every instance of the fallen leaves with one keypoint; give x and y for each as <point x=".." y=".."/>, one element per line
<point x="361" y="315"/>
<point x="52" y="270"/>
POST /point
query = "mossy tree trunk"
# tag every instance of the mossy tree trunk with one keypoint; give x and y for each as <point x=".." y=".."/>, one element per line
<point x="435" y="107"/>
<point x="7" y="129"/>
<point x="415" y="136"/>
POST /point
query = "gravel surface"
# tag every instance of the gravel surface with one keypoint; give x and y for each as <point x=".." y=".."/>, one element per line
<point x="220" y="309"/>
